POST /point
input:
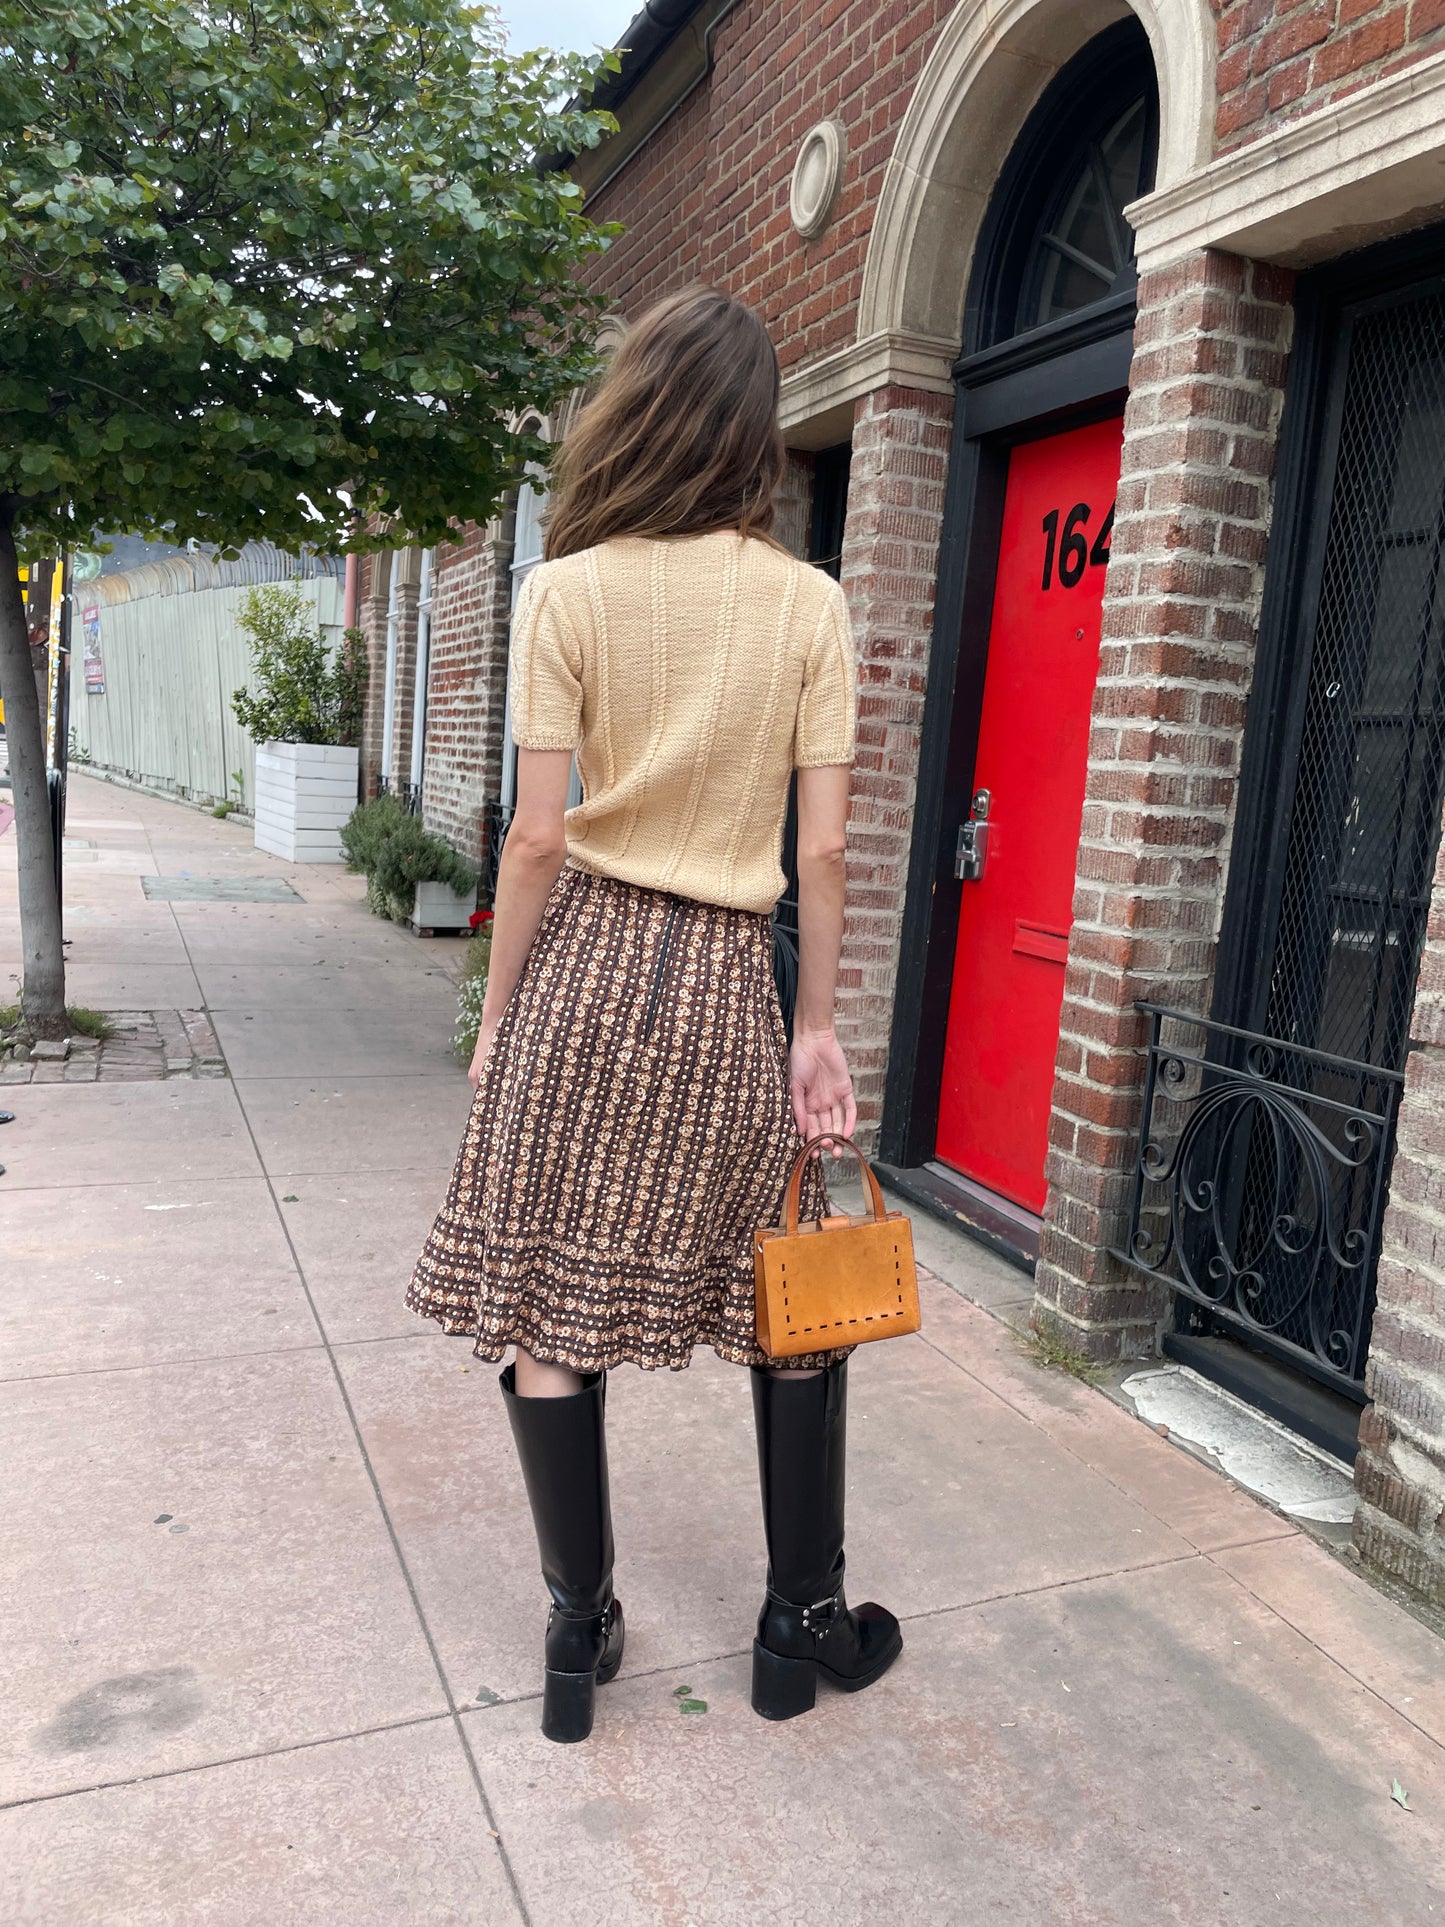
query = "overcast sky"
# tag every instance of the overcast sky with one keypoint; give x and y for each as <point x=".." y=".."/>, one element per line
<point x="573" y="25"/>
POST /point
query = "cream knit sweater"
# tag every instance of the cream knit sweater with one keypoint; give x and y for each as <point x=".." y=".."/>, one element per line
<point x="691" y="674"/>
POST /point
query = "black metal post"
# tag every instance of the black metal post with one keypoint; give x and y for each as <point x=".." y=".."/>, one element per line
<point x="57" y="775"/>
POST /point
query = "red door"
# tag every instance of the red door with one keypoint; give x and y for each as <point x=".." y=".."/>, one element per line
<point x="1013" y="926"/>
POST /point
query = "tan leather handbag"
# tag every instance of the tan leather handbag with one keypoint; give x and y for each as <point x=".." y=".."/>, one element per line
<point x="836" y="1281"/>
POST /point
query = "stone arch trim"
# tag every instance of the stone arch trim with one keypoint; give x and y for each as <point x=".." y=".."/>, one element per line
<point x="990" y="64"/>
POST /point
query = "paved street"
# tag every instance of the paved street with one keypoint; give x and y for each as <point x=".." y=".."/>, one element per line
<point x="272" y="1617"/>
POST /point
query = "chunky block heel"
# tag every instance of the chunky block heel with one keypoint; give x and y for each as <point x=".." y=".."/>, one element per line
<point x="782" y="1688"/>
<point x="568" y="1701"/>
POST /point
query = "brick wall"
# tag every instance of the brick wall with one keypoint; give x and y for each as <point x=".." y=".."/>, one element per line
<point x="1279" y="58"/>
<point x="467" y="684"/>
<point x="890" y="568"/>
<point x="1400" y="1473"/>
<point x="1180" y="609"/>
<point x="707" y="196"/>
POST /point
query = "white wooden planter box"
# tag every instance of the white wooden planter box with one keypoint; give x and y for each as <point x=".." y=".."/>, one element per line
<point x="438" y="907"/>
<point x="304" y="793"/>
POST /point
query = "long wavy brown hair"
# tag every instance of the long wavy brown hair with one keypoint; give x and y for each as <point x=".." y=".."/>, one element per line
<point x="682" y="435"/>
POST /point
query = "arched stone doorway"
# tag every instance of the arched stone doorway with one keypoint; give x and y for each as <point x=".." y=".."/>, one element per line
<point x="986" y="73"/>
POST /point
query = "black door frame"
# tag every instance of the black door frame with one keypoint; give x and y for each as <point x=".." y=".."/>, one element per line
<point x="1070" y="372"/>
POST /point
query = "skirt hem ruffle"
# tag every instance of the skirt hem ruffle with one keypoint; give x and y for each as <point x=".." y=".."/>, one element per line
<point x="544" y="1349"/>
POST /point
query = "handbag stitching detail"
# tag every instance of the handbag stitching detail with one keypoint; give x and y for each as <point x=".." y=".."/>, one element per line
<point x="777" y="1287"/>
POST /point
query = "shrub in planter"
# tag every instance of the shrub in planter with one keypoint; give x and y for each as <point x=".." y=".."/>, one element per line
<point x="304" y="714"/>
<point x="367" y="828"/>
<point x="397" y="854"/>
<point x="412" y="855"/>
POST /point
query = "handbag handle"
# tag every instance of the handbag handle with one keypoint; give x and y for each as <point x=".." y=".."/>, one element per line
<point x="792" y="1196"/>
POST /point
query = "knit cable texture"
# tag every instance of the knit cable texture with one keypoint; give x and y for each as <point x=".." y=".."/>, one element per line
<point x="691" y="675"/>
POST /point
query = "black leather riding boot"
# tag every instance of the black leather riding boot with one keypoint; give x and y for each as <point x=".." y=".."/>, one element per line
<point x="562" y="1443"/>
<point x="806" y="1627"/>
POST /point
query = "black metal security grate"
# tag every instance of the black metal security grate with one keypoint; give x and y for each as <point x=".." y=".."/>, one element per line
<point x="1365" y="821"/>
<point x="1286" y="1257"/>
<point x="1263" y="1162"/>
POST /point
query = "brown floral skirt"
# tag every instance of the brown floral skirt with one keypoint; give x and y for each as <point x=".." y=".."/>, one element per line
<point x="632" y="1126"/>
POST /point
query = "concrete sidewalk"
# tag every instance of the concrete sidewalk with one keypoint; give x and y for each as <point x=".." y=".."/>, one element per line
<point x="272" y="1622"/>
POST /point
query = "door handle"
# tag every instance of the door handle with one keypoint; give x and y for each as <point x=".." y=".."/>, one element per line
<point x="971" y="855"/>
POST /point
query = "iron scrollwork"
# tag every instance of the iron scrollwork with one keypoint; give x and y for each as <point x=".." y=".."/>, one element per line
<point x="1259" y="1184"/>
<point x="496" y="820"/>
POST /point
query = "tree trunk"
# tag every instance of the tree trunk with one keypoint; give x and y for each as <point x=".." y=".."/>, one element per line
<point x="42" y="997"/>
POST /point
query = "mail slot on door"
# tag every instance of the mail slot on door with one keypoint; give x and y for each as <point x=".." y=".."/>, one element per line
<point x="972" y="853"/>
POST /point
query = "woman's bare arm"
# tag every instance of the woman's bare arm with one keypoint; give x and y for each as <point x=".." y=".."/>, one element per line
<point x="822" y="1087"/>
<point x="532" y="859"/>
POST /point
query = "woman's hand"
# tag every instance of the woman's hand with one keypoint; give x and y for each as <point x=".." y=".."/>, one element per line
<point x="822" y="1087"/>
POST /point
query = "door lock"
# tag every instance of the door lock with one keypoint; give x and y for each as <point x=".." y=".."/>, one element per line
<point x="972" y="852"/>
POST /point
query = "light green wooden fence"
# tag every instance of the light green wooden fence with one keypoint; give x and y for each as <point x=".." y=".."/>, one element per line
<point x="169" y="658"/>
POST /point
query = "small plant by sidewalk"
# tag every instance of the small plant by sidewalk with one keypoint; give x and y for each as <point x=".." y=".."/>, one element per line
<point x="395" y="853"/>
<point x="89" y="1023"/>
<point x="16" y="1035"/>
<point x="238" y="781"/>
<point x="1050" y="1354"/>
<point x="472" y="986"/>
<point x="303" y="695"/>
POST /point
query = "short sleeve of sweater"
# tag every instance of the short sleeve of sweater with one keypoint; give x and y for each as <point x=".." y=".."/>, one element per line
<point x="827" y="709"/>
<point x="545" y="680"/>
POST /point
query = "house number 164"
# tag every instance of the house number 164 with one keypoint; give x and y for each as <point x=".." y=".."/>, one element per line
<point x="1073" y="552"/>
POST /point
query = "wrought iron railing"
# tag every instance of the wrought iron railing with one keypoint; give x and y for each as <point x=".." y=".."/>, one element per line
<point x="496" y="821"/>
<point x="1259" y="1186"/>
<point x="785" y="958"/>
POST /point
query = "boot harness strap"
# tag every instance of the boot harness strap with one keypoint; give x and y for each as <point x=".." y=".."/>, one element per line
<point x="817" y="1618"/>
<point x="605" y="1614"/>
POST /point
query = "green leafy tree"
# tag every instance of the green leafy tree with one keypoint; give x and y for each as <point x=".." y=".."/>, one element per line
<point x="268" y="270"/>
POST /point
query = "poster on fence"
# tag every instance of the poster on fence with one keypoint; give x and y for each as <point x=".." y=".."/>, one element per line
<point x="90" y="651"/>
